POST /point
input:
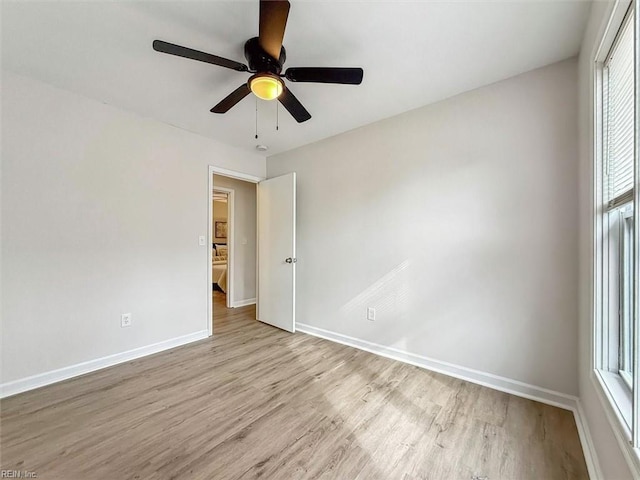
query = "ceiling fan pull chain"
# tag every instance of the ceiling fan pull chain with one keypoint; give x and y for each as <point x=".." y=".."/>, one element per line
<point x="256" y="118"/>
<point x="277" y="117"/>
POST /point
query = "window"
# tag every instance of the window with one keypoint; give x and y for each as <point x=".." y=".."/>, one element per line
<point x="617" y="272"/>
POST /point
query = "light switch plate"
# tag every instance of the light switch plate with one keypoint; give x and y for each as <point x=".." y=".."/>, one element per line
<point x="371" y="314"/>
<point x="125" y="320"/>
<point x="202" y="240"/>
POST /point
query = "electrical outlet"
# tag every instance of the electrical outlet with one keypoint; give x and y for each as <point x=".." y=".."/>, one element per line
<point x="371" y="314"/>
<point x="125" y="320"/>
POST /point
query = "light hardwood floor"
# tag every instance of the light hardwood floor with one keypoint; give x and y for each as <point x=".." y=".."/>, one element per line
<point x="257" y="402"/>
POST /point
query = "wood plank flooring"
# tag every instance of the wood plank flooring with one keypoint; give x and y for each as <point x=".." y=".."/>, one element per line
<point x="257" y="402"/>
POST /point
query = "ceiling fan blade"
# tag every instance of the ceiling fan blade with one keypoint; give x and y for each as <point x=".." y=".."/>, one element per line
<point x="273" y="20"/>
<point x="349" y="76"/>
<point x="230" y="100"/>
<point x="171" y="49"/>
<point x="293" y="106"/>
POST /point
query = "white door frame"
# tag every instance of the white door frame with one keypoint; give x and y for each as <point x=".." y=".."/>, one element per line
<point x="239" y="176"/>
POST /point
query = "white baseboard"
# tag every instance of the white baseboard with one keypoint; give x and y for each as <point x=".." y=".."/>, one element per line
<point x="503" y="384"/>
<point x="589" y="450"/>
<point x="243" y="303"/>
<point x="490" y="380"/>
<point x="40" y="380"/>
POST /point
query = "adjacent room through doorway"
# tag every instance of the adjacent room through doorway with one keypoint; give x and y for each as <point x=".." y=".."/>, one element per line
<point x="220" y="249"/>
<point x="233" y="244"/>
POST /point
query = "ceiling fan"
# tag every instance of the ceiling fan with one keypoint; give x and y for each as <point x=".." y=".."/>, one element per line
<point x="266" y="56"/>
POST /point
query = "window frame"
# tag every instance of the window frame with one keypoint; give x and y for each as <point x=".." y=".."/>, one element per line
<point x="621" y="403"/>
<point x="626" y="309"/>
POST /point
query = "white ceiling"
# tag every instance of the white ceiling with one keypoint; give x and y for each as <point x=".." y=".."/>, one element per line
<point x="413" y="53"/>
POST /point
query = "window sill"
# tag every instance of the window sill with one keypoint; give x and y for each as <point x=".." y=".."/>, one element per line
<point x="605" y="383"/>
<point x="627" y="379"/>
<point x="619" y="394"/>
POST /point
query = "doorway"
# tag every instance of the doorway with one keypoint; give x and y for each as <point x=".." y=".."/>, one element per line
<point x="233" y="243"/>
<point x="270" y="214"/>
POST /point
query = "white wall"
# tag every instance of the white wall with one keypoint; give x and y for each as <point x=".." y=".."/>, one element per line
<point x="101" y="213"/>
<point x="457" y="222"/>
<point x="245" y="221"/>
<point x="612" y="462"/>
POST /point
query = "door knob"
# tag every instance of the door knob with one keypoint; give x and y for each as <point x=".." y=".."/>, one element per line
<point x="290" y="260"/>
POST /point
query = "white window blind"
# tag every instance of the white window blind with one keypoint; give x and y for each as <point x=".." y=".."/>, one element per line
<point x="619" y="117"/>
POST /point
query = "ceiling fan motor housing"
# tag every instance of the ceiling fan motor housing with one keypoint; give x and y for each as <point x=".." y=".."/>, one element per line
<point x="260" y="61"/>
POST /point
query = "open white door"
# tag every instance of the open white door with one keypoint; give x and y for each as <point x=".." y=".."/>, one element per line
<point x="277" y="252"/>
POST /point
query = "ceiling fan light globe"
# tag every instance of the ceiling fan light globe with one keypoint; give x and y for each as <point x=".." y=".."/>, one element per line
<point x="266" y="87"/>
